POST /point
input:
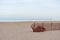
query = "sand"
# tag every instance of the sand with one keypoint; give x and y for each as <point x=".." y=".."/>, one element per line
<point x="22" y="31"/>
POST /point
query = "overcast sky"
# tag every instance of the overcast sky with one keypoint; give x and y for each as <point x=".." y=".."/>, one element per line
<point x="29" y="9"/>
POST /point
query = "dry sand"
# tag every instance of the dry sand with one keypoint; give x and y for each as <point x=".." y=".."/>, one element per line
<point x="22" y="31"/>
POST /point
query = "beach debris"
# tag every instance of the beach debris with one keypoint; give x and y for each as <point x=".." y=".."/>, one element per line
<point x="37" y="28"/>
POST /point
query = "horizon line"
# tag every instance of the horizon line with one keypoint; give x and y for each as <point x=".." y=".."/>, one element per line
<point x="25" y="20"/>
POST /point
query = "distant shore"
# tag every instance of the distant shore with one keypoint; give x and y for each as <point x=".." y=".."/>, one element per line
<point x="26" y="20"/>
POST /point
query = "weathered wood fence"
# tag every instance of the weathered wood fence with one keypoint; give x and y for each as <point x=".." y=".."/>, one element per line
<point x="48" y="25"/>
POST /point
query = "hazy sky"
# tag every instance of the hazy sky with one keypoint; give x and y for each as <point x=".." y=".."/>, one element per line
<point x="29" y="9"/>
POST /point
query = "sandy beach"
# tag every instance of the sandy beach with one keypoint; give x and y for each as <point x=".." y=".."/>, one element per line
<point x="22" y="31"/>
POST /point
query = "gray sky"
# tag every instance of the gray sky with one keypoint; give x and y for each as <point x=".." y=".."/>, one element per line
<point x="29" y="9"/>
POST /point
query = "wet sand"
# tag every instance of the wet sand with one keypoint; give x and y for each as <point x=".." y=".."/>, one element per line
<point x="22" y="31"/>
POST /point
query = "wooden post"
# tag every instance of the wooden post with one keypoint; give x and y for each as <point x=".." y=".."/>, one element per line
<point x="51" y="24"/>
